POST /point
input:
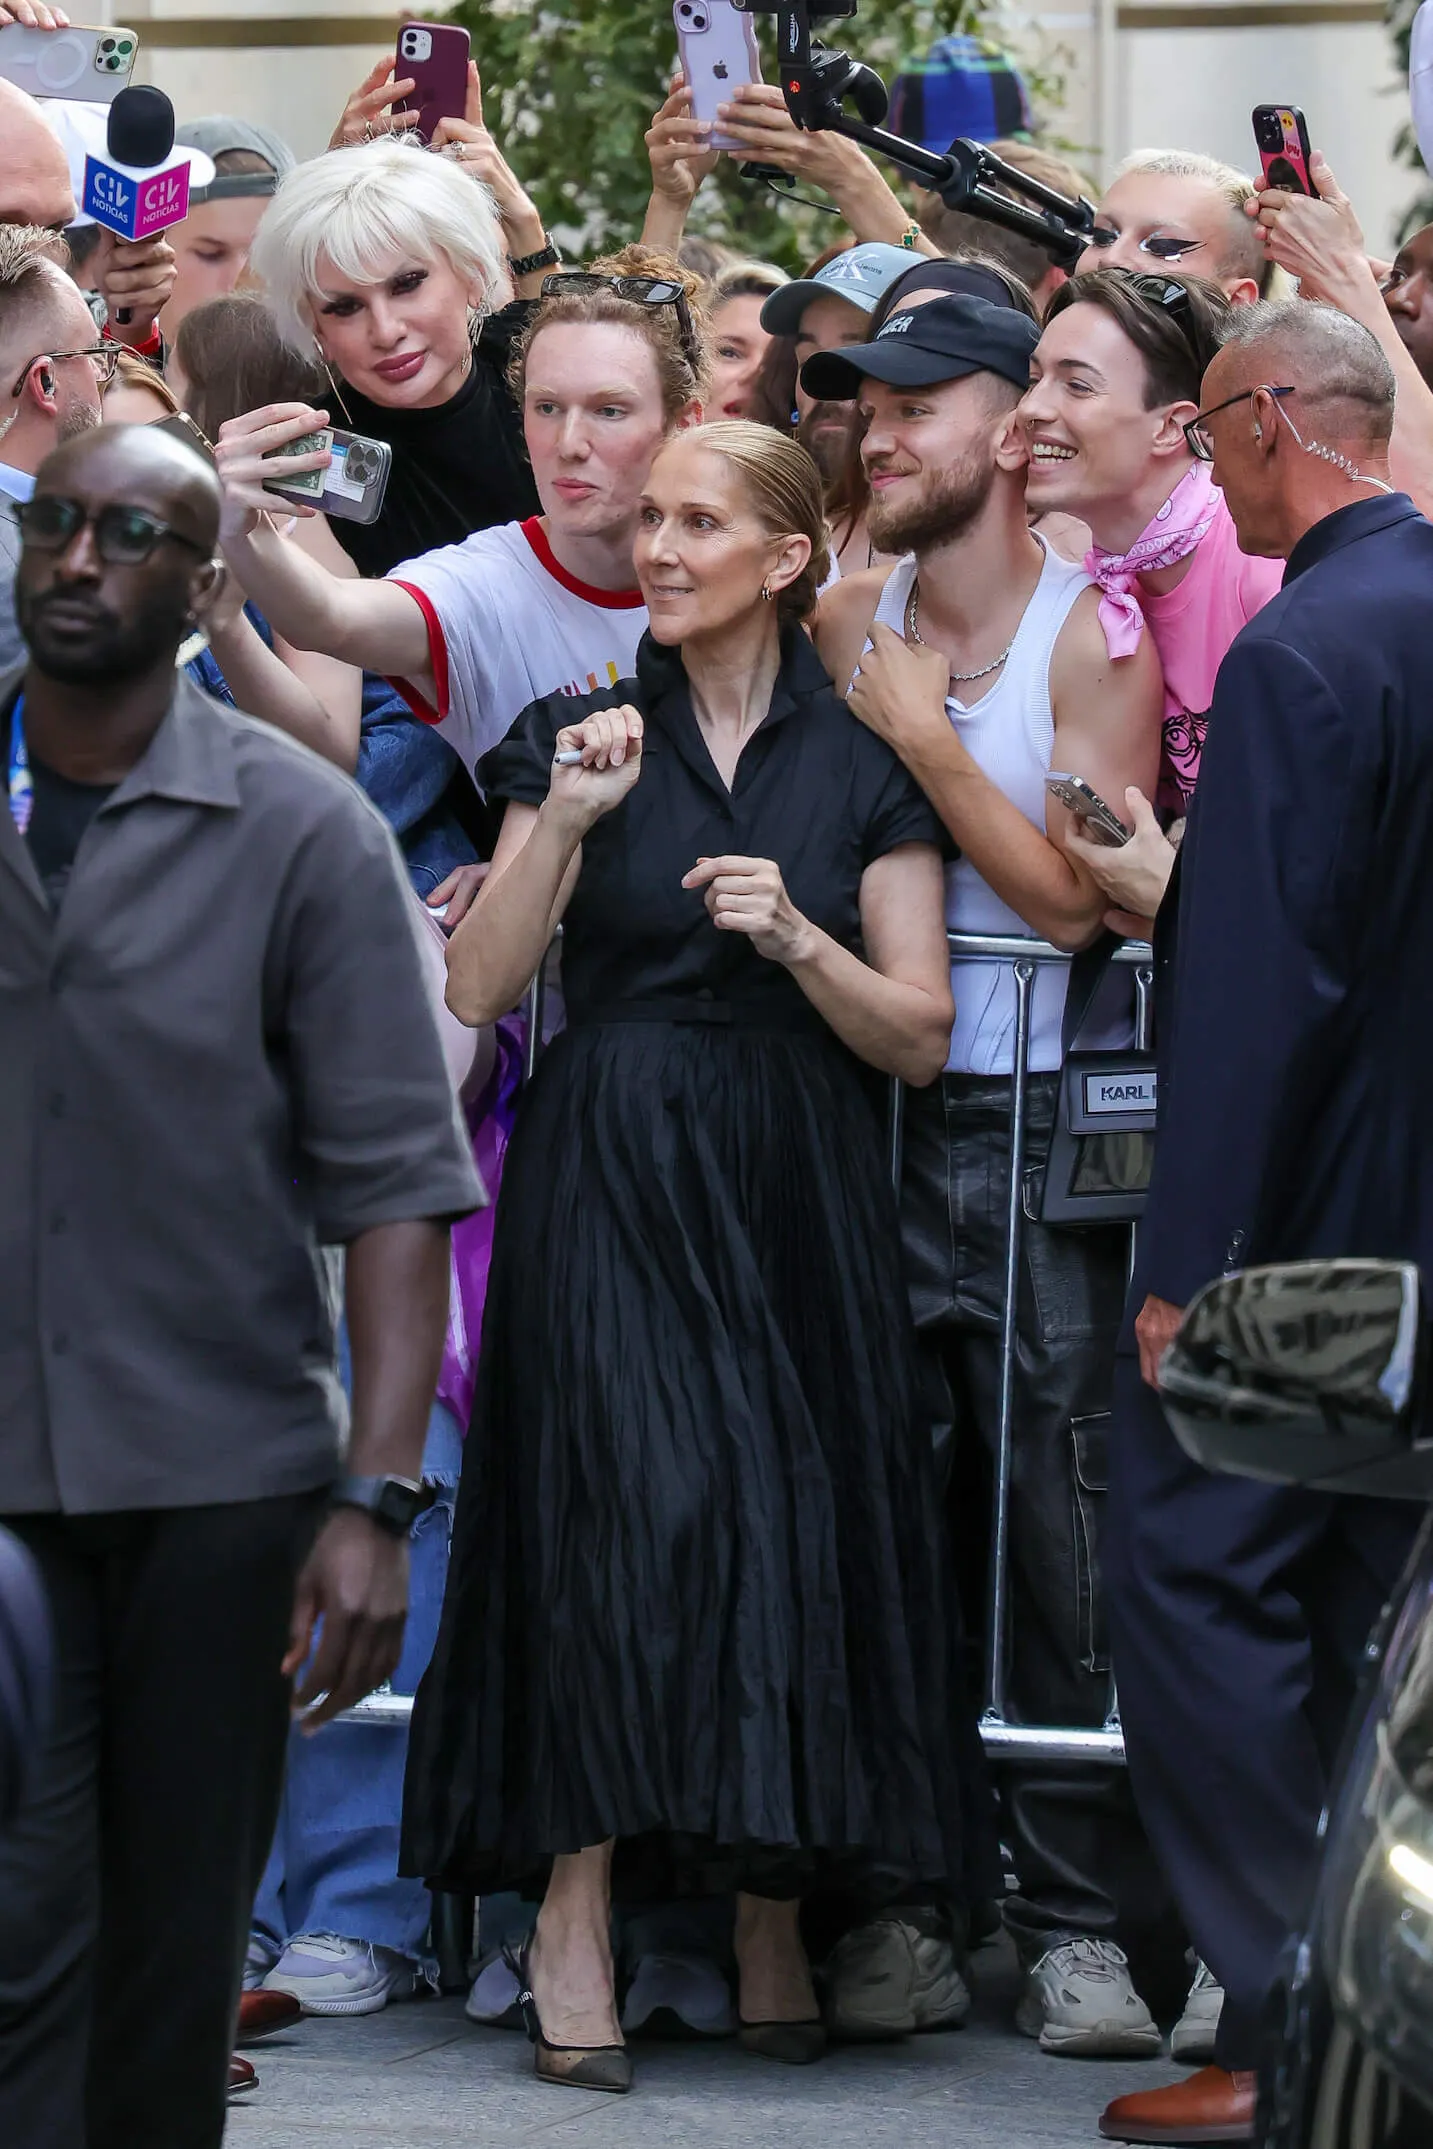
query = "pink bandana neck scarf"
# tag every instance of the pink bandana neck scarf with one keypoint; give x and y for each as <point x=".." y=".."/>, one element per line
<point x="1170" y="537"/>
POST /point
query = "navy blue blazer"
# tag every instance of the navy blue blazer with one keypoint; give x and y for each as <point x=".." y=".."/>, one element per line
<point x="1296" y="1045"/>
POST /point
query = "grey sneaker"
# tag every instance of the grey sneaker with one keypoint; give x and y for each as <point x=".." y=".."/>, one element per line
<point x="869" y="1982"/>
<point x="1080" y="2001"/>
<point x="941" y="1996"/>
<point x="678" y="1996"/>
<point x="1192" y="2040"/>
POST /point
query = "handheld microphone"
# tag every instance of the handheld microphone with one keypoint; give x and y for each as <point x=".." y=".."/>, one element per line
<point x="139" y="187"/>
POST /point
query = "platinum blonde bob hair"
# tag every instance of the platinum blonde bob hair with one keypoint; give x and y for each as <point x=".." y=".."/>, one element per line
<point x="367" y="209"/>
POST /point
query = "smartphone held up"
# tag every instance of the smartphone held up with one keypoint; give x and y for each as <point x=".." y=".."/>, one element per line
<point x="1282" y="140"/>
<point x="353" y="485"/>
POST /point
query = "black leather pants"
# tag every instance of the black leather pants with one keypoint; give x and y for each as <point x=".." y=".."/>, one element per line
<point x="1081" y="1858"/>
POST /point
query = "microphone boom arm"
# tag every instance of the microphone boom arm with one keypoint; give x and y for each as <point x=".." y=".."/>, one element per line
<point x="814" y="81"/>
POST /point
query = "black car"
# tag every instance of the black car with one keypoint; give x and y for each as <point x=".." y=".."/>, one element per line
<point x="1315" y="1374"/>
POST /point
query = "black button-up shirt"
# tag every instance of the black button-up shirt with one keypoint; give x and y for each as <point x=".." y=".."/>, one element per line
<point x="814" y="790"/>
<point x="216" y="1056"/>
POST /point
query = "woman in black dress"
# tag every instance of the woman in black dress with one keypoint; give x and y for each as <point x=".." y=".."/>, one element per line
<point x="694" y="1632"/>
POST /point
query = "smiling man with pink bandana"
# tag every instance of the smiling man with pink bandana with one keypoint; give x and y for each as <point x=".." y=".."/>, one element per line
<point x="1114" y="381"/>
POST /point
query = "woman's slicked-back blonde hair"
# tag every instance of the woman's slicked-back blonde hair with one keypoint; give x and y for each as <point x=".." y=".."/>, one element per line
<point x="367" y="209"/>
<point x="783" y="486"/>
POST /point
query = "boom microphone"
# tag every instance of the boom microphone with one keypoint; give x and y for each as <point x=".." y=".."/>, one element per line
<point x="140" y="186"/>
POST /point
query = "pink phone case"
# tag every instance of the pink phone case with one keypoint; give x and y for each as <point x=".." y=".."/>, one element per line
<point x="1283" y="143"/>
<point x="434" y="57"/>
<point x="718" y="49"/>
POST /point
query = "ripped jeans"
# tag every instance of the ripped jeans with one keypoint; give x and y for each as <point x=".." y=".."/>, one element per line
<point x="334" y="1863"/>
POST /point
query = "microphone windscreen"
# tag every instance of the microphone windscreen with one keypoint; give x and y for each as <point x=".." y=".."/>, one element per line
<point x="141" y="127"/>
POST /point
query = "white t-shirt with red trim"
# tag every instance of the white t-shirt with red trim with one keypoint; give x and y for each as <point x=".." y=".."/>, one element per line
<point x="507" y="624"/>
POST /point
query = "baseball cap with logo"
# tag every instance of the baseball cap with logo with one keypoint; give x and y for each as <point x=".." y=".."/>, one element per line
<point x="926" y="345"/>
<point x="861" y="276"/>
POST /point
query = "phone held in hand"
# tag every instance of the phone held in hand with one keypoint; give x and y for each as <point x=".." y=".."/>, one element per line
<point x="1097" y="820"/>
<point x="354" y="483"/>
<point x="433" y="56"/>
<point x="90" y="66"/>
<point x="1282" y="141"/>
<point x="718" y="49"/>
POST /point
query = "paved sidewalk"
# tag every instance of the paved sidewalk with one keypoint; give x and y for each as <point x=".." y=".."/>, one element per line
<point x="419" y="2076"/>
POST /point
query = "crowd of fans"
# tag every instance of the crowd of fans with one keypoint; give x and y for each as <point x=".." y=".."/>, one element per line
<point x="732" y="624"/>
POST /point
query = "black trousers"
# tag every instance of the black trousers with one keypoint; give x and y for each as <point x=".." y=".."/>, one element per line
<point x="1081" y="1858"/>
<point x="127" y="1882"/>
<point x="1240" y="1612"/>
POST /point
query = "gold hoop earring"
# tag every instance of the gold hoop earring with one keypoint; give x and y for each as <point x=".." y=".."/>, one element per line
<point x="766" y="593"/>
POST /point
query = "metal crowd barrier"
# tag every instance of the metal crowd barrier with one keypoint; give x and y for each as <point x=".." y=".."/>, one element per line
<point x="1003" y="1740"/>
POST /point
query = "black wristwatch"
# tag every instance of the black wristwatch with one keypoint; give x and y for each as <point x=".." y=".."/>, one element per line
<point x="394" y="1503"/>
<point x="529" y="264"/>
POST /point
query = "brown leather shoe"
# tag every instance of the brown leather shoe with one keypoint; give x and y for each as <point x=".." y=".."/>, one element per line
<point x="261" y="2013"/>
<point x="1210" y="2106"/>
<point x="242" y="2076"/>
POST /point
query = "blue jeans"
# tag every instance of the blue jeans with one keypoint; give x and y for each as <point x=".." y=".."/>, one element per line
<point x="334" y="1864"/>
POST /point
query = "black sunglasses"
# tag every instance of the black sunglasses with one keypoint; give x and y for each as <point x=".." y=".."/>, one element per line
<point x="641" y="290"/>
<point x="124" y="536"/>
<point x="1200" y="440"/>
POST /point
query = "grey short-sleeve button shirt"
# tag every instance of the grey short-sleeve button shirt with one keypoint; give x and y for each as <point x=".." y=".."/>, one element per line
<point x="216" y="1056"/>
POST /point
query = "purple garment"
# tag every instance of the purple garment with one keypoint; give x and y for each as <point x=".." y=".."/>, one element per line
<point x="490" y="1121"/>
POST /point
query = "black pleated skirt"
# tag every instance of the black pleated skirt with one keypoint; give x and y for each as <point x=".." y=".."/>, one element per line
<point x="698" y="1598"/>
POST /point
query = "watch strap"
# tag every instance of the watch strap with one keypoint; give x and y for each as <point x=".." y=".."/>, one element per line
<point x="547" y="257"/>
<point x="394" y="1503"/>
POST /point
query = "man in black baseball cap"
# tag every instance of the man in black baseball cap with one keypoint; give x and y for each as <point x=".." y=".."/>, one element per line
<point x="980" y="658"/>
<point x="919" y="346"/>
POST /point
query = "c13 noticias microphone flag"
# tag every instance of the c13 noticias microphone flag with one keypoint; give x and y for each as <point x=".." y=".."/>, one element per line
<point x="140" y="187"/>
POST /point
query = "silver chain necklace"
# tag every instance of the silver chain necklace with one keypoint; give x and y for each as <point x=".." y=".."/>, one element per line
<point x="913" y="634"/>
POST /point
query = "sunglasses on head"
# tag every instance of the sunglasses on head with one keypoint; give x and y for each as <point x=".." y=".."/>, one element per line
<point x="124" y="536"/>
<point x="641" y="290"/>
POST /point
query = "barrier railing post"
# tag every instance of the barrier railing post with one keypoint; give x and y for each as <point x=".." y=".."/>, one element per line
<point x="996" y="1646"/>
<point x="534" y="1008"/>
<point x="896" y="1131"/>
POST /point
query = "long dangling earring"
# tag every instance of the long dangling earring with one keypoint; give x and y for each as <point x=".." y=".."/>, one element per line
<point x="333" y="384"/>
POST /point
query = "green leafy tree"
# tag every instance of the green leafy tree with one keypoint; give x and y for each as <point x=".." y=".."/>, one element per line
<point x="570" y="86"/>
<point x="1420" y="209"/>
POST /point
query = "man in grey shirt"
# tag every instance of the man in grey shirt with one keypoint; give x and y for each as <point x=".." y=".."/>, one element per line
<point x="218" y="1058"/>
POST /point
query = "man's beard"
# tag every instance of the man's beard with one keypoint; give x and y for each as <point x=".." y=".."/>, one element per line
<point x="74" y="419"/>
<point x="116" y="648"/>
<point x="825" y="434"/>
<point x="947" y="504"/>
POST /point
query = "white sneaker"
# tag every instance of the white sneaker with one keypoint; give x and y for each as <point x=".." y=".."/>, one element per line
<point x="1192" y="2040"/>
<point x="329" y="1975"/>
<point x="1080" y="2001"/>
<point x="868" y="1982"/>
<point x="678" y="1996"/>
<point x="259" y="1959"/>
<point x="493" y="1999"/>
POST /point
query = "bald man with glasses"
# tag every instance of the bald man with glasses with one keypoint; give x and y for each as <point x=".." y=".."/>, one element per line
<point x="1294" y="1045"/>
<point x="212" y="1070"/>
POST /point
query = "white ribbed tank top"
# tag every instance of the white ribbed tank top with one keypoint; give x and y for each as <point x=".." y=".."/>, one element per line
<point x="1010" y="734"/>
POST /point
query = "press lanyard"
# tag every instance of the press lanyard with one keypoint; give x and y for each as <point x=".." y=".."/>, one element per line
<point x="22" y="793"/>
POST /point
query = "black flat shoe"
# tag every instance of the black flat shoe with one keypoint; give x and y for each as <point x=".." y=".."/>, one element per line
<point x="796" y="2044"/>
<point x="605" y="2067"/>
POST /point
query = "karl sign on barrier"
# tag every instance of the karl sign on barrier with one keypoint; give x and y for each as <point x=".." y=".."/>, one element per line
<point x="1003" y="1740"/>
